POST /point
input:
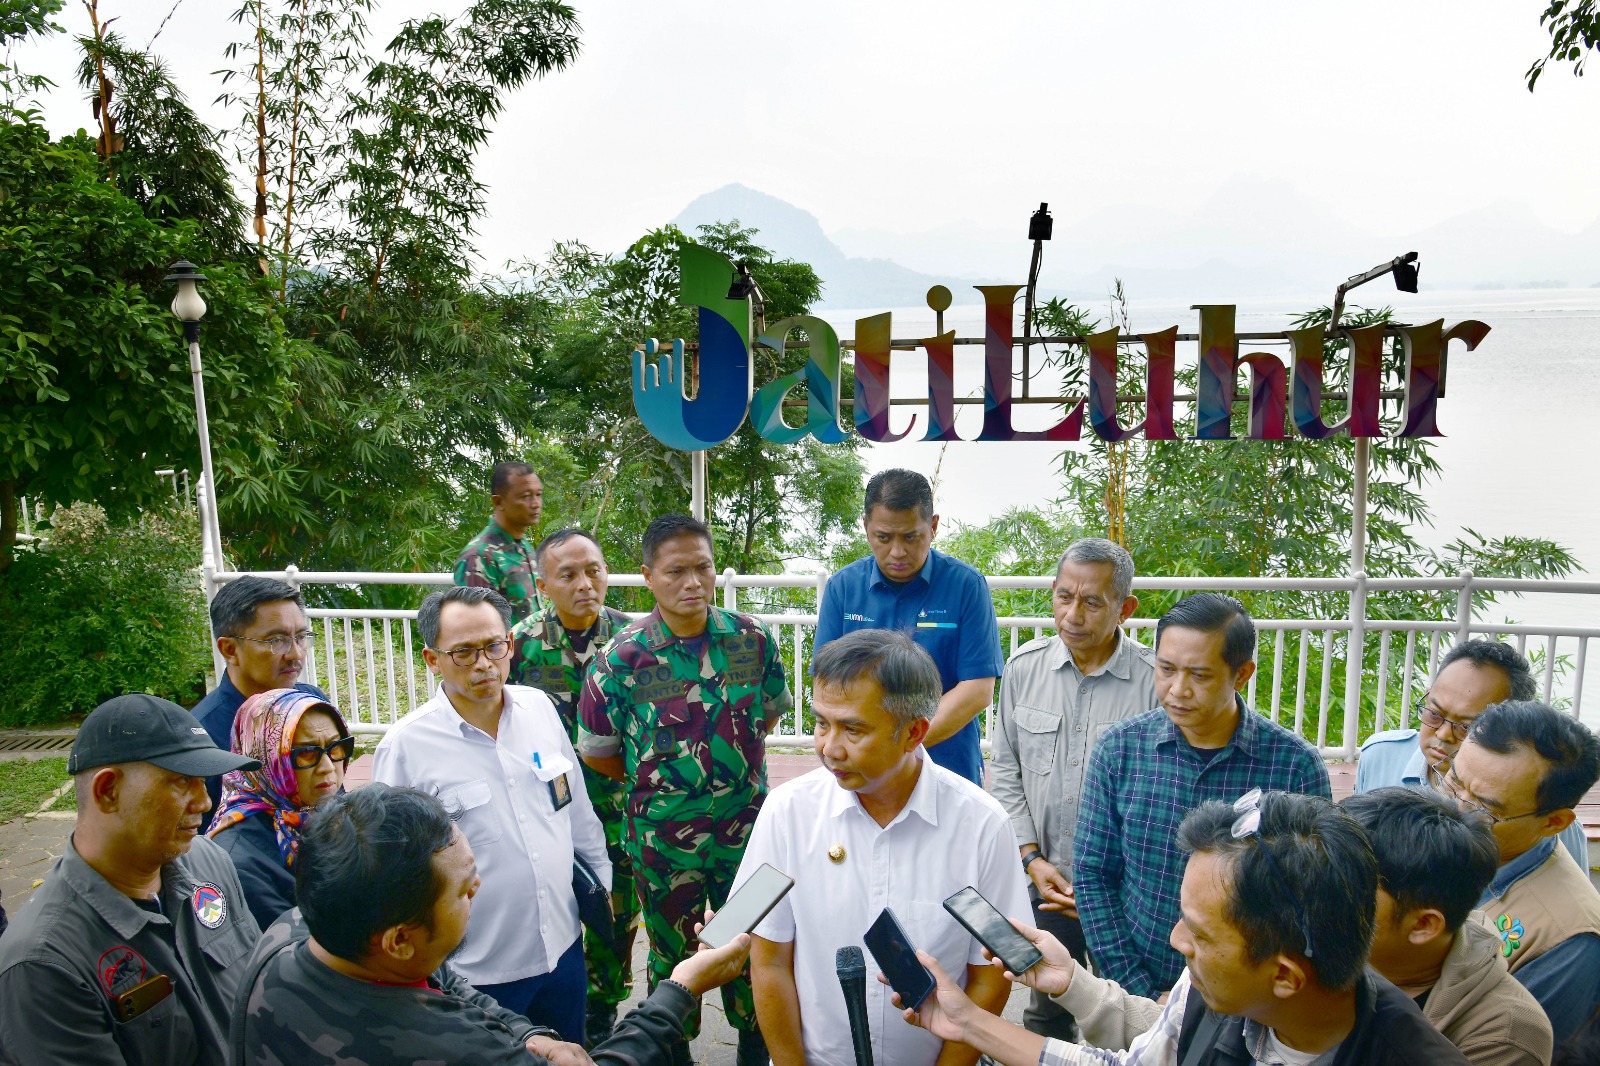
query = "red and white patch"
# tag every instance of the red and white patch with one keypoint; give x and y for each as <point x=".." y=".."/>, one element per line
<point x="210" y="906"/>
<point x="120" y="969"/>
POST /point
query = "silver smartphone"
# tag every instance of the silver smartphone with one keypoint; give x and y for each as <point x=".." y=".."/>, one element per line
<point x="746" y="907"/>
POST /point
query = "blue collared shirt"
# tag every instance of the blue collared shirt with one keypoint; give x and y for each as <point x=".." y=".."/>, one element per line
<point x="1143" y="778"/>
<point x="1565" y="979"/>
<point x="216" y="711"/>
<point x="946" y="608"/>
<point x="1394" y="757"/>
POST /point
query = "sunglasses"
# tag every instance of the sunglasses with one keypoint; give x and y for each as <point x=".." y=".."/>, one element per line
<point x="1248" y="824"/>
<point x="307" y="756"/>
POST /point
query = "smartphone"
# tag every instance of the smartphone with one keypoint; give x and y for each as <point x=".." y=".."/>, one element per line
<point x="746" y="907"/>
<point x="895" y="955"/>
<point x="135" y="1001"/>
<point x="980" y="918"/>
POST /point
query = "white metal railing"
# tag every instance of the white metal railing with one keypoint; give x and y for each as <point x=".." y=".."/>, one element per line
<point x="369" y="661"/>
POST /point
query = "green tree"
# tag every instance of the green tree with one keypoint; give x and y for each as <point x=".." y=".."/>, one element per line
<point x="1574" y="27"/>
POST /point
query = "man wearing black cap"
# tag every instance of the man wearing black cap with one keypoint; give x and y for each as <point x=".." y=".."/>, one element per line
<point x="130" y="950"/>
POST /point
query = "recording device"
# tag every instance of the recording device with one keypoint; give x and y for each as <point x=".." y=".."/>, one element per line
<point x="897" y="958"/>
<point x="746" y="907"/>
<point x="851" y="966"/>
<point x="991" y="929"/>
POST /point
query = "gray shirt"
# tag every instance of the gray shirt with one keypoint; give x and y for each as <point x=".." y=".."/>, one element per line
<point x="79" y="945"/>
<point x="1048" y="719"/>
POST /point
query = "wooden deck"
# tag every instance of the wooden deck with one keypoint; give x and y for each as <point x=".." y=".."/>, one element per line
<point x="781" y="768"/>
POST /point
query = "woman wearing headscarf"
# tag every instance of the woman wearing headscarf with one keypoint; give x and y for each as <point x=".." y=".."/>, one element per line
<point x="304" y="749"/>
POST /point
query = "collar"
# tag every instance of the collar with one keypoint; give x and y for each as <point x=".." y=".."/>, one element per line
<point x="1250" y="729"/>
<point x="1119" y="665"/>
<point x="495" y="529"/>
<point x="466" y="728"/>
<point x="1254" y="1034"/>
<point x="123" y="915"/>
<point x="229" y="690"/>
<point x="555" y="635"/>
<point x="924" y="576"/>
<point x="923" y="801"/>
<point x="1416" y="769"/>
<point x="658" y="637"/>
<point x="1518" y="868"/>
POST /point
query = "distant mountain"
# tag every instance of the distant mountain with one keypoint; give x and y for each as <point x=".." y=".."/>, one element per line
<point x="1253" y="238"/>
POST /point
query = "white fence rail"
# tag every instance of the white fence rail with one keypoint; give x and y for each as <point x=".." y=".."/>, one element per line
<point x="370" y="662"/>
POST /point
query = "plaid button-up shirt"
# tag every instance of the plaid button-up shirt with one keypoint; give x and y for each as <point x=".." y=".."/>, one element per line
<point x="1143" y="778"/>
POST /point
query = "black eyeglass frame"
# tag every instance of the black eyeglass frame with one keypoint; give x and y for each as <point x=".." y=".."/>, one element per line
<point x="299" y="753"/>
<point x="1458" y="730"/>
<point x="482" y="649"/>
<point x="1248" y="824"/>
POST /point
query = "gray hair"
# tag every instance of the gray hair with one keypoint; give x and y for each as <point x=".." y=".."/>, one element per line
<point x="1100" y="550"/>
<point x="471" y="595"/>
<point x="902" y="668"/>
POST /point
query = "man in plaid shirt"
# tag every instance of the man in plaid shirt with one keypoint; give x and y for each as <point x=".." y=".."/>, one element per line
<point x="1147" y="772"/>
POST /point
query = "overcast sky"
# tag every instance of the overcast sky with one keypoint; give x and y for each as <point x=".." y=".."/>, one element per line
<point x="917" y="116"/>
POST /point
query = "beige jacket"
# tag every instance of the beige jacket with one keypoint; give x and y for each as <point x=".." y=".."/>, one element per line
<point x="1476" y="1004"/>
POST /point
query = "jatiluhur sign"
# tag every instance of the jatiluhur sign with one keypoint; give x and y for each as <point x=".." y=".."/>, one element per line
<point x="1278" y="394"/>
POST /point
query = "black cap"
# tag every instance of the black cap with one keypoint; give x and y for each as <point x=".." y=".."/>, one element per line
<point x="139" y="727"/>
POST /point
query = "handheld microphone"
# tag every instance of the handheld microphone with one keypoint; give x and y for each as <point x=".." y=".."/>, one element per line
<point x="851" y="967"/>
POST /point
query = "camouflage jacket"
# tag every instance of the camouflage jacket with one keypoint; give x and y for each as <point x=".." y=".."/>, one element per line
<point x="497" y="560"/>
<point x="546" y="660"/>
<point x="293" y="1008"/>
<point x="690" y="729"/>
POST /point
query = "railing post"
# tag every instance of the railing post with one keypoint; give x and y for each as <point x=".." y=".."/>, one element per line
<point x="730" y="593"/>
<point x="1354" y="660"/>
<point x="1464" y="606"/>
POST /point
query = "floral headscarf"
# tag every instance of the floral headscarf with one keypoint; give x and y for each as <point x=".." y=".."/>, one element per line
<point x="264" y="730"/>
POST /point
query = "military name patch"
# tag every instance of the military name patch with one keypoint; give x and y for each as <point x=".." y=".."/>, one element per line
<point x="210" y="905"/>
<point x="652" y="684"/>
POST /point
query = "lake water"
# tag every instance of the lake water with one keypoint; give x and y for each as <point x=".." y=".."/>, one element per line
<point x="1518" y="417"/>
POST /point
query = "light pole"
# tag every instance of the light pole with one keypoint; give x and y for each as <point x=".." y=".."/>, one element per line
<point x="190" y="308"/>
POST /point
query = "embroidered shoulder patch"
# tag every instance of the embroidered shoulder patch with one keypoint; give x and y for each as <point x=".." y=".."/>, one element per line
<point x="210" y="905"/>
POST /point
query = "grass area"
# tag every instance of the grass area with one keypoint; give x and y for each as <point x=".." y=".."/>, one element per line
<point x="25" y="783"/>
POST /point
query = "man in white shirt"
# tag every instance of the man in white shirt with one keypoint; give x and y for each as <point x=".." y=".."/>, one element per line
<point x="878" y="824"/>
<point x="500" y="761"/>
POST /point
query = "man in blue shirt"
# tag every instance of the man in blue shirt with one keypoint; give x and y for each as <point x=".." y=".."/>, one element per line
<point x="261" y="631"/>
<point x="1148" y="771"/>
<point x="941" y="603"/>
<point x="1471" y="676"/>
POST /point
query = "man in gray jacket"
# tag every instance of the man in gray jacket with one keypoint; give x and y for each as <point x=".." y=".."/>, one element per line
<point x="1058" y="694"/>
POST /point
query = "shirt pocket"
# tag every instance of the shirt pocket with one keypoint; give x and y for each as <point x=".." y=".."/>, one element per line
<point x="1038" y="731"/>
<point x="931" y="929"/>
<point x="228" y="943"/>
<point x="161" y="1036"/>
<point x="468" y="804"/>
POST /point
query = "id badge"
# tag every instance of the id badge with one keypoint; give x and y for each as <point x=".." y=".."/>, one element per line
<point x="560" y="792"/>
<point x="141" y="997"/>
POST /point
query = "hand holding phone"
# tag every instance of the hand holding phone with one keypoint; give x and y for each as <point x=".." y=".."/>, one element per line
<point x="745" y="908"/>
<point x="896" y="956"/>
<point x="991" y="929"/>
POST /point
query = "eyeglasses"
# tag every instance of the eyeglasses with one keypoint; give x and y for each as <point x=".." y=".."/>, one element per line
<point x="1248" y="824"/>
<point x="281" y="645"/>
<point x="1458" y="730"/>
<point x="307" y="756"/>
<point x="465" y="657"/>
<point x="1450" y="785"/>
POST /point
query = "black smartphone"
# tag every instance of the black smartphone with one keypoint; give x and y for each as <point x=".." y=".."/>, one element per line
<point x="745" y="908"/>
<point x="980" y="918"/>
<point x="896" y="956"/>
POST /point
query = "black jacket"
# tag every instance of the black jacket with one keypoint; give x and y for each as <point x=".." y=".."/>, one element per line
<point x="1389" y="1030"/>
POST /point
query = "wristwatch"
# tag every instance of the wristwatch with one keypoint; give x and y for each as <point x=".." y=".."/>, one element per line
<point x="1028" y="858"/>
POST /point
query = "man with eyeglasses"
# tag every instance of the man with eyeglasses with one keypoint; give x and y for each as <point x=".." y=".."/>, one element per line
<point x="1471" y="676"/>
<point x="1524" y="767"/>
<point x="499" y="759"/>
<point x="1278" y="909"/>
<point x="261" y="631"/>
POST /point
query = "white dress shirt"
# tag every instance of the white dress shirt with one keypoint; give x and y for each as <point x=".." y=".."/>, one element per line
<point x="524" y="916"/>
<point x="950" y="835"/>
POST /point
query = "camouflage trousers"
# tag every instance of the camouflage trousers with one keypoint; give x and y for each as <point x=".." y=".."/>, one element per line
<point x="676" y="885"/>
<point x="611" y="967"/>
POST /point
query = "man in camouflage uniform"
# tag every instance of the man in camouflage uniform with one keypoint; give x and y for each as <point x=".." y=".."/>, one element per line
<point x="359" y="972"/>
<point x="500" y="557"/>
<point x="678" y="707"/>
<point x="554" y="647"/>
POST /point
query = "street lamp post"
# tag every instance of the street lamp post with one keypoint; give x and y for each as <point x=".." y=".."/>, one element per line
<point x="189" y="307"/>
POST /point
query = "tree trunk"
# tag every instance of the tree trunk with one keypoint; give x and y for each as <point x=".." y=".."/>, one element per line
<point x="8" y="522"/>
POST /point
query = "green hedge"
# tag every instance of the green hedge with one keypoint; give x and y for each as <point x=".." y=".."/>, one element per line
<point x="101" y="609"/>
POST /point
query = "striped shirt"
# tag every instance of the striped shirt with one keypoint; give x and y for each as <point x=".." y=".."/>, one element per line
<point x="1143" y="778"/>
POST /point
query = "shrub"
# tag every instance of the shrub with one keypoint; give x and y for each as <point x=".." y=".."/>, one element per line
<point x="98" y="610"/>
